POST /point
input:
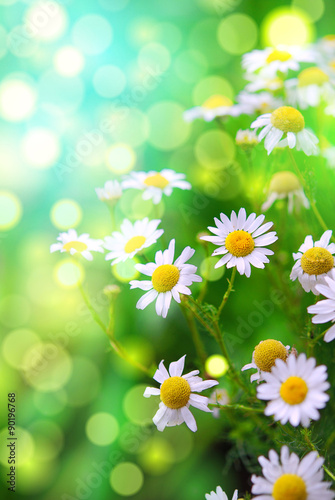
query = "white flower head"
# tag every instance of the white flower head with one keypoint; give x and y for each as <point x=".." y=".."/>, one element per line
<point x="312" y="86"/>
<point x="264" y="102"/>
<point x="324" y="310"/>
<point x="246" y="139"/>
<point x="168" y="279"/>
<point x="257" y="82"/>
<point x="241" y="241"/>
<point x="264" y="357"/>
<point x="132" y="239"/>
<point x="329" y="154"/>
<point x="176" y="393"/>
<point x="314" y="261"/>
<point x="73" y="244"/>
<point x="155" y="184"/>
<point x="110" y="193"/>
<point x="295" y="389"/>
<point x="285" y="184"/>
<point x="216" y="105"/>
<point x="220" y="495"/>
<point x="271" y="61"/>
<point x="289" y="123"/>
<point x="291" y="479"/>
<point x="219" y="396"/>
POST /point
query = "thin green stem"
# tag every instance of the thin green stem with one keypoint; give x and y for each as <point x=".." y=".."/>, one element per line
<point x="198" y="344"/>
<point x="112" y="212"/>
<point x="236" y="407"/>
<point x="320" y="336"/>
<point x="314" y="448"/>
<point x="228" y="291"/>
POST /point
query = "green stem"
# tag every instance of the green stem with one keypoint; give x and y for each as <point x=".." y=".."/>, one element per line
<point x="314" y="448"/>
<point x="112" y="212"/>
<point x="320" y="336"/>
<point x="229" y="289"/>
<point x="199" y="346"/>
<point x="236" y="407"/>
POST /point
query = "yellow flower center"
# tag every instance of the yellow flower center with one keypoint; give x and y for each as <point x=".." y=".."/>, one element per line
<point x="329" y="38"/>
<point x="317" y="260"/>
<point x="266" y="353"/>
<point x="165" y="277"/>
<point x="294" y="390"/>
<point x="312" y="76"/>
<point x="288" y="119"/>
<point x="278" y="55"/>
<point x="239" y="243"/>
<point x="284" y="182"/>
<point x="289" y="487"/>
<point x="156" y="180"/>
<point x="175" y="392"/>
<point x="216" y="101"/>
<point x="76" y="245"/>
<point x="134" y="243"/>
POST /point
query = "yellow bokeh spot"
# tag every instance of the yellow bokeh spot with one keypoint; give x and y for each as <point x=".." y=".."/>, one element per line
<point x="168" y="130"/>
<point x="25" y="445"/>
<point x="210" y="86"/>
<point x="125" y="271"/>
<point x="121" y="158"/>
<point x="313" y="9"/>
<point x="157" y="455"/>
<point x="17" y="100"/>
<point x="287" y="26"/>
<point x="66" y="214"/>
<point x="102" y="429"/>
<point x="10" y="210"/>
<point x="237" y="33"/>
<point x="23" y="340"/>
<point x="216" y="365"/>
<point x="69" y="61"/>
<point x="126" y="479"/>
<point x="208" y="271"/>
<point x="215" y="150"/>
<point x="68" y="273"/>
<point x="40" y="148"/>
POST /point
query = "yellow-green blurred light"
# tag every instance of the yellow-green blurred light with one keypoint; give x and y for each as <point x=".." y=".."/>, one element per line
<point x="121" y="158"/>
<point x="126" y="479"/>
<point x="102" y="429"/>
<point x="68" y="273"/>
<point x="66" y="214"/>
<point x="216" y="365"/>
<point x="287" y="26"/>
<point x="10" y="210"/>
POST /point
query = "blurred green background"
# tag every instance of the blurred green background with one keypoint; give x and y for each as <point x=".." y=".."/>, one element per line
<point x="68" y="68"/>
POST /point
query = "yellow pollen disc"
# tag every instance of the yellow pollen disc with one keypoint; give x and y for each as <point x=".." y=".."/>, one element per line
<point x="216" y="101"/>
<point x="156" y="180"/>
<point x="278" y="55"/>
<point x="134" y="243"/>
<point x="165" y="277"/>
<point x="239" y="243"/>
<point x="266" y="353"/>
<point x="288" y="119"/>
<point x="329" y="38"/>
<point x="175" y="392"/>
<point x="312" y="76"/>
<point x="289" y="487"/>
<point x="294" y="390"/>
<point x="317" y="260"/>
<point x="76" y="245"/>
<point x="284" y="182"/>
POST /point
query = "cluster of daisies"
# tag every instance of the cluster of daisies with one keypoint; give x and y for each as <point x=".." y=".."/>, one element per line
<point x="282" y="82"/>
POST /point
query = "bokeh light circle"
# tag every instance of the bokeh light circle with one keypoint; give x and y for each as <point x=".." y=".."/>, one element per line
<point x="24" y="440"/>
<point x="315" y="9"/>
<point x="10" y="210"/>
<point x="92" y="34"/>
<point x="102" y="429"/>
<point x="212" y="85"/>
<point x="48" y="438"/>
<point x="69" y="61"/>
<point x="215" y="149"/>
<point x="68" y="273"/>
<point x="168" y="130"/>
<point x="46" y="366"/>
<point x="121" y="158"/>
<point x="60" y="93"/>
<point x="237" y="33"/>
<point x="157" y="455"/>
<point x="190" y="66"/>
<point x="66" y="214"/>
<point x="50" y="403"/>
<point x="126" y="479"/>
<point x="23" y="340"/>
<point x="216" y="365"/>
<point x="153" y="56"/>
<point x="40" y="148"/>
<point x="288" y="26"/>
<point x="17" y="99"/>
<point x="46" y="20"/>
<point x="125" y="271"/>
<point x="137" y="408"/>
<point x="109" y="81"/>
<point x="130" y="126"/>
<point x="208" y="271"/>
<point x="85" y="382"/>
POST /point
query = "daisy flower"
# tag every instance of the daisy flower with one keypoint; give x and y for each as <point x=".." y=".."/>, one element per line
<point x="132" y="239"/>
<point x="264" y="357"/>
<point x="220" y="495"/>
<point x="264" y="102"/>
<point x="168" y="279"/>
<point x="155" y="184"/>
<point x="324" y="310"/>
<point x="110" y="193"/>
<point x="257" y="82"/>
<point x="310" y="87"/>
<point x="329" y="154"/>
<point x="72" y="243"/>
<point x="216" y="105"/>
<point x="314" y="261"/>
<point x="176" y="393"/>
<point x="295" y="389"/>
<point x="291" y="479"/>
<point x="241" y="241"/>
<point x="288" y="122"/>
<point x="218" y="396"/>
<point x="281" y="59"/>
<point x="285" y="184"/>
<point x="246" y="139"/>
